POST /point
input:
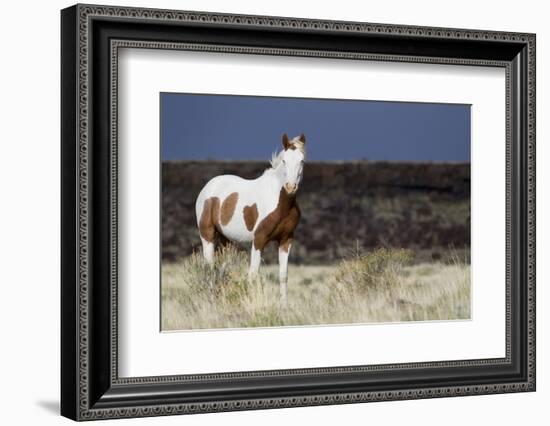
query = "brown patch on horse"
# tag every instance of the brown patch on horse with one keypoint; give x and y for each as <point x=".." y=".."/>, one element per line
<point x="209" y="218"/>
<point x="278" y="225"/>
<point x="286" y="142"/>
<point x="297" y="143"/>
<point x="250" y="214"/>
<point x="228" y="208"/>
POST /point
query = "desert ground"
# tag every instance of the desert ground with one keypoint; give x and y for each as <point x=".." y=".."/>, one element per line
<point x="379" y="286"/>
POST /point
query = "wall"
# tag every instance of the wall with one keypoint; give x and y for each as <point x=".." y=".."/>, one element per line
<point x="29" y="225"/>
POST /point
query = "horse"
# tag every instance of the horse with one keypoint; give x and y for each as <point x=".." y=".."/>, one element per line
<point x="256" y="211"/>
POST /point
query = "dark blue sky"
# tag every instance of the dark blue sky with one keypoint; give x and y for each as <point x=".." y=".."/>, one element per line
<point x="224" y="127"/>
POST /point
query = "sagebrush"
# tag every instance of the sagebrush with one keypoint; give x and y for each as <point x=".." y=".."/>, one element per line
<point x="377" y="286"/>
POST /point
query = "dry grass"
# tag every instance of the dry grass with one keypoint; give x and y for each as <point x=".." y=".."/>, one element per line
<point x="380" y="286"/>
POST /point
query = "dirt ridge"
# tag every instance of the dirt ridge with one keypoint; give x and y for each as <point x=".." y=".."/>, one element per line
<point x="423" y="206"/>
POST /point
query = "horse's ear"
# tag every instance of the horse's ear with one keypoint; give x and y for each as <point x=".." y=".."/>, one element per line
<point x="286" y="142"/>
<point x="302" y="138"/>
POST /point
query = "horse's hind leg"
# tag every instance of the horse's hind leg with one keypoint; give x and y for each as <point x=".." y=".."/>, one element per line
<point x="207" y="227"/>
<point x="208" y="251"/>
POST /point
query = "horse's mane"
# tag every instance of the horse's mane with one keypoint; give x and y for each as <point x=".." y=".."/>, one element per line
<point x="277" y="157"/>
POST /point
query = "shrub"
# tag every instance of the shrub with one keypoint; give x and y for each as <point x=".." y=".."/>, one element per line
<point x="372" y="270"/>
<point x="227" y="275"/>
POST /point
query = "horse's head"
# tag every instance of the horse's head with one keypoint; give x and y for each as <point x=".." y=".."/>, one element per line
<point x="293" y="158"/>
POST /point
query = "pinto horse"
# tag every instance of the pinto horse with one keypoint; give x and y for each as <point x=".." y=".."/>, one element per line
<point x="257" y="210"/>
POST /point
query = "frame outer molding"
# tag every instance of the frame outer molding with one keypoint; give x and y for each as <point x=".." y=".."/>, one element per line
<point x="76" y="401"/>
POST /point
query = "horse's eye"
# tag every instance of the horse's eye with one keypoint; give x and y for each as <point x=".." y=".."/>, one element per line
<point x="284" y="162"/>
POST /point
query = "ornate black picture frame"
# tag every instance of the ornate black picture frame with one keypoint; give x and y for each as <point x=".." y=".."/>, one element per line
<point x="90" y="385"/>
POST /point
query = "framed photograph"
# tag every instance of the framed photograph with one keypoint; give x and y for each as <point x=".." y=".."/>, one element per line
<point x="263" y="212"/>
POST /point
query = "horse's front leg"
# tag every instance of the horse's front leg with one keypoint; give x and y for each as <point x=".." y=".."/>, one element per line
<point x="284" y="250"/>
<point x="255" y="259"/>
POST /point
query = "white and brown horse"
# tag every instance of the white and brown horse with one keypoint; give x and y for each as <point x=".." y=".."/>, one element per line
<point x="257" y="210"/>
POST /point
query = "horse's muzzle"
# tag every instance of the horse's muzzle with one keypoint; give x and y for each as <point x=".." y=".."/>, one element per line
<point x="291" y="188"/>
